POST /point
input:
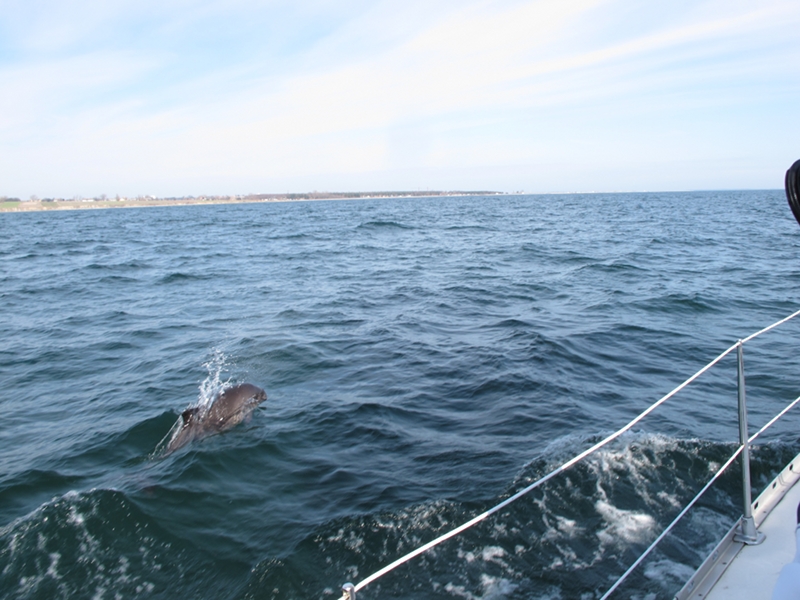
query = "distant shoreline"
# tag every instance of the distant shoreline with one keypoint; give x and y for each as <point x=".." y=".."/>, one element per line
<point x="15" y="205"/>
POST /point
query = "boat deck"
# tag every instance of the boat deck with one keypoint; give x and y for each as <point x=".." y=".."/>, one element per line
<point x="757" y="567"/>
<point x="735" y="570"/>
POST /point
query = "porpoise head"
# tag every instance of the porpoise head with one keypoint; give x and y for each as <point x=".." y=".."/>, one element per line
<point x="232" y="406"/>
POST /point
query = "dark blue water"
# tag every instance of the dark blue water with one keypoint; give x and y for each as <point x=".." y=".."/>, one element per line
<point x="424" y="359"/>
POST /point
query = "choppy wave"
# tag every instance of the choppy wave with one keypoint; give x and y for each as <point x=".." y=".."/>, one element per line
<point x="383" y="225"/>
<point x="561" y="541"/>
<point x="423" y="359"/>
<point x="97" y="544"/>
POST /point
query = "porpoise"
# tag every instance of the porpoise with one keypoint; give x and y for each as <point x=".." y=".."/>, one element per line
<point x="229" y="408"/>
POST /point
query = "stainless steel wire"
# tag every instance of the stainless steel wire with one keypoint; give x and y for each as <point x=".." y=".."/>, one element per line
<point x="716" y="476"/>
<point x="681" y="514"/>
<point x="576" y="459"/>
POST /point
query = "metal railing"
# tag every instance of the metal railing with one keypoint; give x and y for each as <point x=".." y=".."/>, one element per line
<point x="746" y="531"/>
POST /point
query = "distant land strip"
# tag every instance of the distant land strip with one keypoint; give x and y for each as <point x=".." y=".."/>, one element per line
<point x="16" y="205"/>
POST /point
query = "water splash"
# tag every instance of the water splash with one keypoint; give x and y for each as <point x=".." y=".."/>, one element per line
<point x="214" y="384"/>
<point x="216" y="381"/>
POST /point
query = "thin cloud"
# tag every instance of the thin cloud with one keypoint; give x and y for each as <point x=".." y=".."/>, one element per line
<point x="280" y="94"/>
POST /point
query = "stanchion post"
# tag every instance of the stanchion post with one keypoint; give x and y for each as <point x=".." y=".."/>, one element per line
<point x="747" y="526"/>
<point x="349" y="591"/>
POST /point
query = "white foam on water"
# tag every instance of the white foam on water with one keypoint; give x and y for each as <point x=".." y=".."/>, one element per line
<point x="466" y="556"/>
<point x="52" y="568"/>
<point x="569" y="527"/>
<point x="625" y="455"/>
<point x="493" y="554"/>
<point x="628" y="526"/>
<point x="584" y="528"/>
<point x="75" y="517"/>
<point x="638" y="466"/>
<point x="496" y="587"/>
<point x="459" y="591"/>
<point x="48" y="562"/>
<point x="670" y="499"/>
<point x="493" y="589"/>
<point x="350" y="540"/>
<point x="667" y="570"/>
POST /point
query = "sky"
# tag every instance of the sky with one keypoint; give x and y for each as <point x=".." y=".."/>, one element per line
<point x="193" y="97"/>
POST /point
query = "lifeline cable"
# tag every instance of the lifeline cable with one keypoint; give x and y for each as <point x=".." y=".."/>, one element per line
<point x="475" y="520"/>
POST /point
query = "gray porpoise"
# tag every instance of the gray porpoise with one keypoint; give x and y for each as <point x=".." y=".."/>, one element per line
<point x="228" y="409"/>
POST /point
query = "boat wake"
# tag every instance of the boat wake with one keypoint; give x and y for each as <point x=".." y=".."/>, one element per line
<point x="575" y="534"/>
<point x="571" y="538"/>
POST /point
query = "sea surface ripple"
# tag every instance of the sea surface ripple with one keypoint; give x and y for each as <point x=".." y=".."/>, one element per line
<point x="424" y="359"/>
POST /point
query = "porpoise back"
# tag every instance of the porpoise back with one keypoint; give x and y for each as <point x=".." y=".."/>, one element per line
<point x="232" y="406"/>
<point x="228" y="409"/>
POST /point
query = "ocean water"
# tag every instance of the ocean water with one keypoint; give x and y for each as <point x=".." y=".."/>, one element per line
<point x="424" y="359"/>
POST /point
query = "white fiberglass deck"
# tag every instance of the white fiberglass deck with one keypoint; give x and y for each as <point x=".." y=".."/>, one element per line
<point x="754" y="571"/>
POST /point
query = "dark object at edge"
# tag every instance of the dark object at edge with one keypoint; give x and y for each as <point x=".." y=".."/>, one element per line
<point x="793" y="189"/>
